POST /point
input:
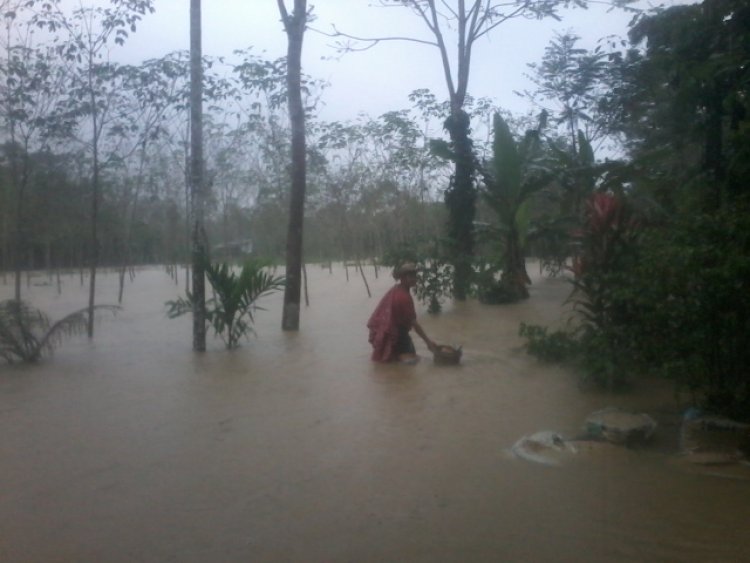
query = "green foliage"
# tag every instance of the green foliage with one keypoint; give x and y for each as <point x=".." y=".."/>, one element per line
<point x="572" y="78"/>
<point x="434" y="283"/>
<point x="667" y="299"/>
<point x="607" y="248"/>
<point x="680" y="95"/>
<point x="230" y="309"/>
<point x="685" y="307"/>
<point x="26" y="333"/>
<point x="550" y="241"/>
<point x="516" y="172"/>
<point x="491" y="291"/>
<point x="556" y="346"/>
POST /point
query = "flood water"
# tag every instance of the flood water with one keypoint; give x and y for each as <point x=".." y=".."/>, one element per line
<point x="296" y="447"/>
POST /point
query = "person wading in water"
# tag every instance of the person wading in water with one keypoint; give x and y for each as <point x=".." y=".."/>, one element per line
<point x="393" y="318"/>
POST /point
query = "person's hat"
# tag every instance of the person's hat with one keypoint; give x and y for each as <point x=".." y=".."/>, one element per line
<point x="405" y="268"/>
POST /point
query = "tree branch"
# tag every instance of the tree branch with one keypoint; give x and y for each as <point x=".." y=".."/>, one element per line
<point x="372" y="40"/>
<point x="283" y="11"/>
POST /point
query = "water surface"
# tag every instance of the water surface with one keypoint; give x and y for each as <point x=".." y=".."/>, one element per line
<point x="297" y="448"/>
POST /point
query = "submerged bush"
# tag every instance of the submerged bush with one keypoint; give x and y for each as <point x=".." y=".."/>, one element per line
<point x="26" y="333"/>
<point x="556" y="346"/>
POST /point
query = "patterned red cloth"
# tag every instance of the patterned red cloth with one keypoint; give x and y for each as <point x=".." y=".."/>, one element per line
<point x="396" y="309"/>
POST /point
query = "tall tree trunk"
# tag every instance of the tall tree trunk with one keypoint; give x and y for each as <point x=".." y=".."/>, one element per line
<point x="199" y="254"/>
<point x="460" y="198"/>
<point x="188" y="215"/>
<point x="294" y="25"/>
<point x="94" y="258"/>
<point x="514" y="274"/>
<point x="18" y="247"/>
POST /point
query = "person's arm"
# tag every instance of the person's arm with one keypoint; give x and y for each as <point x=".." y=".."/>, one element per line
<point x="420" y="331"/>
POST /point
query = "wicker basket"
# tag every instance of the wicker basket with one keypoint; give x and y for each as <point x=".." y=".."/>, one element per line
<point x="446" y="355"/>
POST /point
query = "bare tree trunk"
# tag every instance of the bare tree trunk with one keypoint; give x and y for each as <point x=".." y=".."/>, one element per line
<point x="196" y="177"/>
<point x="127" y="252"/>
<point x="295" y="24"/>
<point x="94" y="248"/>
<point x="304" y="276"/>
<point x="18" y="251"/>
<point x="19" y="180"/>
<point x="188" y="215"/>
<point x="121" y="288"/>
<point x="94" y="206"/>
<point x="364" y="279"/>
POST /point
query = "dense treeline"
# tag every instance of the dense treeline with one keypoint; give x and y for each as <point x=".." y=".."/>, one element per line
<point x="664" y="242"/>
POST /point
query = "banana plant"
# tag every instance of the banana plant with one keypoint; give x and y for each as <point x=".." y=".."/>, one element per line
<point x="230" y="310"/>
<point x="517" y="170"/>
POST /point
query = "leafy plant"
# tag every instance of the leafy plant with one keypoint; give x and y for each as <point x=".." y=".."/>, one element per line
<point x="554" y="346"/>
<point x="690" y="322"/>
<point x="607" y="248"/>
<point x="230" y="310"/>
<point x="26" y="333"/>
<point x="434" y="282"/>
<point x="516" y="172"/>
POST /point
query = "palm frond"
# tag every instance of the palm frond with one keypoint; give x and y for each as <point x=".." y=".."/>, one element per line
<point x="26" y="333"/>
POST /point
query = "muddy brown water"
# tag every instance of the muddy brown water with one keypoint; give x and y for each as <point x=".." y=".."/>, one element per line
<point x="296" y="447"/>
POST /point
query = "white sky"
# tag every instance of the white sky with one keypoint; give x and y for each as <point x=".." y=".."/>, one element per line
<point x="377" y="80"/>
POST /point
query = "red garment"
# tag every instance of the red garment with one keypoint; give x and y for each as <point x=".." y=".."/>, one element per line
<point x="396" y="309"/>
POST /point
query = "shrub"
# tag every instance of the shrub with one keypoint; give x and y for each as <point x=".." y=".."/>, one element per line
<point x="554" y="346"/>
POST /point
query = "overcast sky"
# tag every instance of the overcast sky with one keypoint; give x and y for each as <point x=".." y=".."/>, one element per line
<point x="380" y="79"/>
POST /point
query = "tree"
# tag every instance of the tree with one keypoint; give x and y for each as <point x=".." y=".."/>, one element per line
<point x="295" y="24"/>
<point x="151" y="91"/>
<point x="569" y="82"/>
<point x="469" y="20"/>
<point x="84" y="45"/>
<point x="30" y="90"/>
<point x="198" y="246"/>
<point x="680" y="95"/>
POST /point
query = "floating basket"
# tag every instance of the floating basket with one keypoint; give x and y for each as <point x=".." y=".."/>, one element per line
<point x="446" y="355"/>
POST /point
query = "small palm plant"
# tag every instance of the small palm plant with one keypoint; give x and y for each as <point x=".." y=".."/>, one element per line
<point x="26" y="333"/>
<point x="230" y="310"/>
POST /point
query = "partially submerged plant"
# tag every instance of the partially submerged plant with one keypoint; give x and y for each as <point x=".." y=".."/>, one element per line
<point x="555" y="346"/>
<point x="230" y="310"/>
<point x="26" y="333"/>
